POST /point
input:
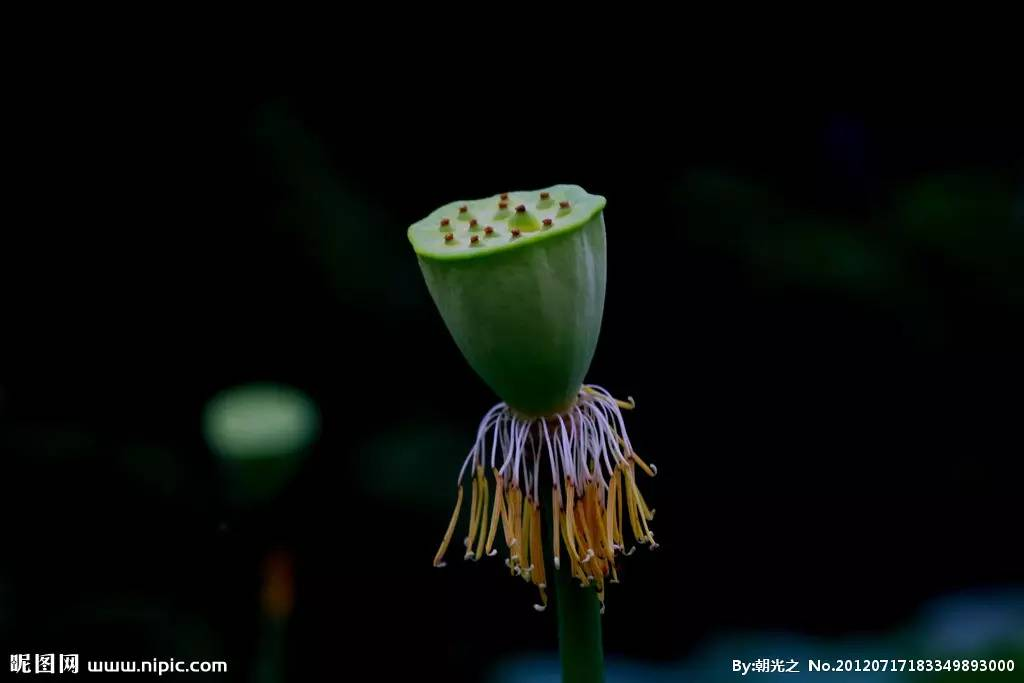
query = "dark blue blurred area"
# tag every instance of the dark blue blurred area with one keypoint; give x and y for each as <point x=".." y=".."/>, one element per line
<point x="820" y="317"/>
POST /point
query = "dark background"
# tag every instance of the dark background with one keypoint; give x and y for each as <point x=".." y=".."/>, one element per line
<point x="819" y="315"/>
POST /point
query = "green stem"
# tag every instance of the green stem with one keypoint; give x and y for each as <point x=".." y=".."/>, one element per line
<point x="579" y="621"/>
<point x="579" y="630"/>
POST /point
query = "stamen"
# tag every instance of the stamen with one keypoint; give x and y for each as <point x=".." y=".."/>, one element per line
<point x="609" y="517"/>
<point x="448" y="534"/>
<point x="651" y="470"/>
<point x="555" y="535"/>
<point x="474" y="513"/>
<point x="588" y="451"/>
<point x="543" y="598"/>
<point x="537" y="549"/>
<point x="483" y="509"/>
<point x="569" y="525"/>
<point x="495" y="514"/>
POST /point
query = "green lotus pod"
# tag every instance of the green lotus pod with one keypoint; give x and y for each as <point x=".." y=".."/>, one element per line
<point x="519" y="279"/>
<point x="260" y="433"/>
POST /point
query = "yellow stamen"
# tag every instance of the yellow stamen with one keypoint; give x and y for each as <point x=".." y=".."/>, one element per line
<point x="483" y="511"/>
<point x="631" y="507"/>
<point x="543" y="600"/>
<point x="625" y="405"/>
<point x="527" y="550"/>
<point x="620" y="537"/>
<point x="596" y="523"/>
<point x="592" y="533"/>
<point x="583" y="534"/>
<point x="472" y="512"/>
<point x="506" y="525"/>
<point x="499" y="505"/>
<point x="556" y="536"/>
<point x="516" y="517"/>
<point x="643" y="512"/>
<point x="644" y="466"/>
<point x="537" y="549"/>
<point x="610" y="518"/>
<point x="569" y="525"/>
<point x="448" y="534"/>
<point x="474" y="516"/>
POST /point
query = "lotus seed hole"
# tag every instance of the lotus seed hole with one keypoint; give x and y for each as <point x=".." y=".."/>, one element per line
<point x="474" y="239"/>
<point x="515" y="233"/>
<point x="488" y="230"/>
<point x="448" y="237"/>
<point x="545" y="195"/>
<point x="521" y="208"/>
<point x="547" y="222"/>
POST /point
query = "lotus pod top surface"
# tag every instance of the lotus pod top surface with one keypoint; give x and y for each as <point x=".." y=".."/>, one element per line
<point x="477" y="228"/>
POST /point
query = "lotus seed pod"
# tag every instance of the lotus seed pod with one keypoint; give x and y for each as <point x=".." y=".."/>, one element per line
<point x="523" y="298"/>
